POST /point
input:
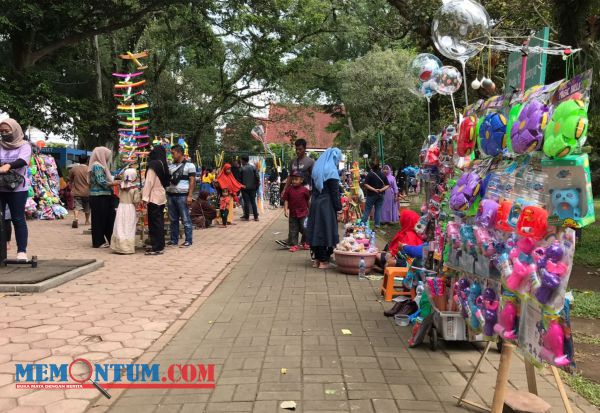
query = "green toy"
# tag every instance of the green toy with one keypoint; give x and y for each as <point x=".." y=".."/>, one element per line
<point x="513" y="115"/>
<point x="567" y="129"/>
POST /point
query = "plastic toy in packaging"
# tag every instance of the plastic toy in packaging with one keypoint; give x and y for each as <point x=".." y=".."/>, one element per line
<point x="486" y="214"/>
<point x="553" y="347"/>
<point x="453" y="230"/>
<point x="467" y="136"/>
<point x="488" y="311"/>
<point x="472" y="297"/>
<point x="492" y="134"/>
<point x="502" y="216"/>
<point x="565" y="203"/>
<point x="515" y="211"/>
<point x="464" y="192"/>
<point x="533" y="222"/>
<point x="461" y="296"/>
<point x="567" y="129"/>
<point x="527" y="132"/>
<point x="507" y="320"/>
<point x="523" y="265"/>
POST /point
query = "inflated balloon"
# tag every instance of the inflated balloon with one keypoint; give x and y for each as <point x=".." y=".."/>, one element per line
<point x="486" y="83"/>
<point x="457" y="26"/>
<point x="466" y="136"/>
<point x="40" y="144"/>
<point x="448" y="80"/>
<point x="492" y="134"/>
<point x="424" y="66"/>
<point x="528" y="132"/>
<point x="567" y="129"/>
<point x="424" y="89"/>
<point x="476" y="84"/>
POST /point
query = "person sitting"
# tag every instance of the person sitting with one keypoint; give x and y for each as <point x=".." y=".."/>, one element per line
<point x="406" y="242"/>
<point x="203" y="212"/>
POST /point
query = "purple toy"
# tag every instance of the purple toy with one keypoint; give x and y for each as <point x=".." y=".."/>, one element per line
<point x="552" y="274"/>
<point x="464" y="192"/>
<point x="488" y="311"/>
<point x="486" y="215"/>
<point x="527" y="132"/>
<point x="461" y="297"/>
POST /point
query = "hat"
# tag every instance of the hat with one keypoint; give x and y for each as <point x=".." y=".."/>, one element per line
<point x="298" y="174"/>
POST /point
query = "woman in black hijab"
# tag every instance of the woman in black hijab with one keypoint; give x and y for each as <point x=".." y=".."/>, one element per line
<point x="153" y="194"/>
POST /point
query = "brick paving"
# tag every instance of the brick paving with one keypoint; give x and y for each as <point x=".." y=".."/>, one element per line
<point x="275" y="311"/>
<point x="125" y="311"/>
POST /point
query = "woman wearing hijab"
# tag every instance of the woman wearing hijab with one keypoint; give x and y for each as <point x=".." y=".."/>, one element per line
<point x="405" y="241"/>
<point x="153" y="194"/>
<point x="101" y="197"/>
<point x="389" y="211"/>
<point x="203" y="212"/>
<point x="226" y="180"/>
<point x="15" y="153"/>
<point x="322" y="227"/>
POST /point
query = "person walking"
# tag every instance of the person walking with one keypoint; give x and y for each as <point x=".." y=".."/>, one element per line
<point x="80" y="188"/>
<point x="154" y="196"/>
<point x="376" y="184"/>
<point x="179" y="194"/>
<point x="102" y="203"/>
<point x="15" y="153"/>
<point x="250" y="181"/>
<point x="389" y="211"/>
<point x="322" y="226"/>
<point x="226" y="180"/>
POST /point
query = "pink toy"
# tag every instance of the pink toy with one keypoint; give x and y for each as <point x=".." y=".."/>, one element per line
<point x="453" y="230"/>
<point x="523" y="265"/>
<point x="485" y="241"/>
<point x="507" y="321"/>
<point x="554" y="345"/>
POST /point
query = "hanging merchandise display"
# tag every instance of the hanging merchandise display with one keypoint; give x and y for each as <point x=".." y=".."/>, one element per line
<point x="44" y="200"/>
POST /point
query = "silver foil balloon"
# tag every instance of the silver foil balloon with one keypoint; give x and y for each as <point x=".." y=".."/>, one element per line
<point x="457" y="26"/>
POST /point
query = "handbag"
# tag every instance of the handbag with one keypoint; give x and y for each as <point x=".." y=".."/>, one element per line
<point x="11" y="180"/>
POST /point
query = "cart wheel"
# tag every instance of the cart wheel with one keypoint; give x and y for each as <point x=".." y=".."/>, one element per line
<point x="499" y="345"/>
<point x="433" y="339"/>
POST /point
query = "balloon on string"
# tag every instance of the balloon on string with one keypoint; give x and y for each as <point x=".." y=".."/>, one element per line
<point x="424" y="89"/>
<point x="424" y="66"/>
<point x="447" y="80"/>
<point x="457" y="26"/>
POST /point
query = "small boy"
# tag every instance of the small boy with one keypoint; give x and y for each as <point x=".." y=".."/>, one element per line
<point x="295" y="208"/>
<point x="224" y="206"/>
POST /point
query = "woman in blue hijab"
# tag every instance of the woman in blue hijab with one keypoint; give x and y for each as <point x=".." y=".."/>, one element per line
<point x="322" y="226"/>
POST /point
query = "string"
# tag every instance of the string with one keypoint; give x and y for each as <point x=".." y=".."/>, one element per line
<point x="464" y="86"/>
<point x="429" y="115"/>
<point x="454" y="107"/>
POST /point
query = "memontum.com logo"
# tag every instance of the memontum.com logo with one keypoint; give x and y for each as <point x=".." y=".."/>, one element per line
<point x="82" y="374"/>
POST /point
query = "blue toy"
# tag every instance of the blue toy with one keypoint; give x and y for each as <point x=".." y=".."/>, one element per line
<point x="474" y="293"/>
<point x="515" y="211"/>
<point x="467" y="236"/>
<point x="565" y="203"/>
<point x="492" y="134"/>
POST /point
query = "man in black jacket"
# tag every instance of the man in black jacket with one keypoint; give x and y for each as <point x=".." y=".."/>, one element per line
<point x="251" y="181"/>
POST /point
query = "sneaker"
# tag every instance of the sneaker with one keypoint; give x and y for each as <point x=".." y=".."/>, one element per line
<point x="21" y="256"/>
<point x="305" y="246"/>
<point x="244" y="219"/>
<point x="171" y="244"/>
<point x="256" y="219"/>
<point x="294" y="248"/>
<point x="185" y="245"/>
<point x="75" y="224"/>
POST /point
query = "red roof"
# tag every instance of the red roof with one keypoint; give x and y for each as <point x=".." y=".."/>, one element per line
<point x="288" y="123"/>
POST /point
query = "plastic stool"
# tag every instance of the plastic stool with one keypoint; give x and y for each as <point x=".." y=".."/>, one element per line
<point x="388" y="289"/>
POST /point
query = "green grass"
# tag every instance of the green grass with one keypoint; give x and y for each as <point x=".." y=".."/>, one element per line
<point x="586" y="388"/>
<point x="586" y="251"/>
<point x="585" y="339"/>
<point x="587" y="304"/>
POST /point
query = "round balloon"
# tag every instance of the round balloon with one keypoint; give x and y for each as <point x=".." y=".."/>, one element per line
<point x="448" y="80"/>
<point x="460" y="29"/>
<point x="424" y="66"/>
<point x="424" y="89"/>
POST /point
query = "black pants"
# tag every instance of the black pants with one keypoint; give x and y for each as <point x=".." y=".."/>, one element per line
<point x="156" y="226"/>
<point x="249" y="196"/>
<point x="296" y="226"/>
<point x="103" y="219"/>
<point x="224" y="214"/>
<point x="322" y="253"/>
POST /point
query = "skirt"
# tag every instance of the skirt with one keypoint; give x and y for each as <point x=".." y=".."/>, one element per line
<point x="123" y="237"/>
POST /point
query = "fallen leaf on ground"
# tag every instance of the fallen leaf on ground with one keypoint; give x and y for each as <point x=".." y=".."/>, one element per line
<point x="288" y="404"/>
<point x="346" y="332"/>
<point x="327" y="391"/>
<point x="283" y="370"/>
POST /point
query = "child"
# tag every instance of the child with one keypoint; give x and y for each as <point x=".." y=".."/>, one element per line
<point x="296" y="208"/>
<point x="224" y="206"/>
<point x="123" y="237"/>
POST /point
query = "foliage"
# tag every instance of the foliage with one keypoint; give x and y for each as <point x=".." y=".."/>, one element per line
<point x="586" y="388"/>
<point x="586" y="305"/>
<point x="374" y="88"/>
<point x="586" y="252"/>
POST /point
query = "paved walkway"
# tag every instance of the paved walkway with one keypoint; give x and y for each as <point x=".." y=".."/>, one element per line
<point x="275" y="311"/>
<point x="119" y="313"/>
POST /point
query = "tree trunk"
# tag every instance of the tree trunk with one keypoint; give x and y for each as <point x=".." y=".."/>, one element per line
<point x="98" y="70"/>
